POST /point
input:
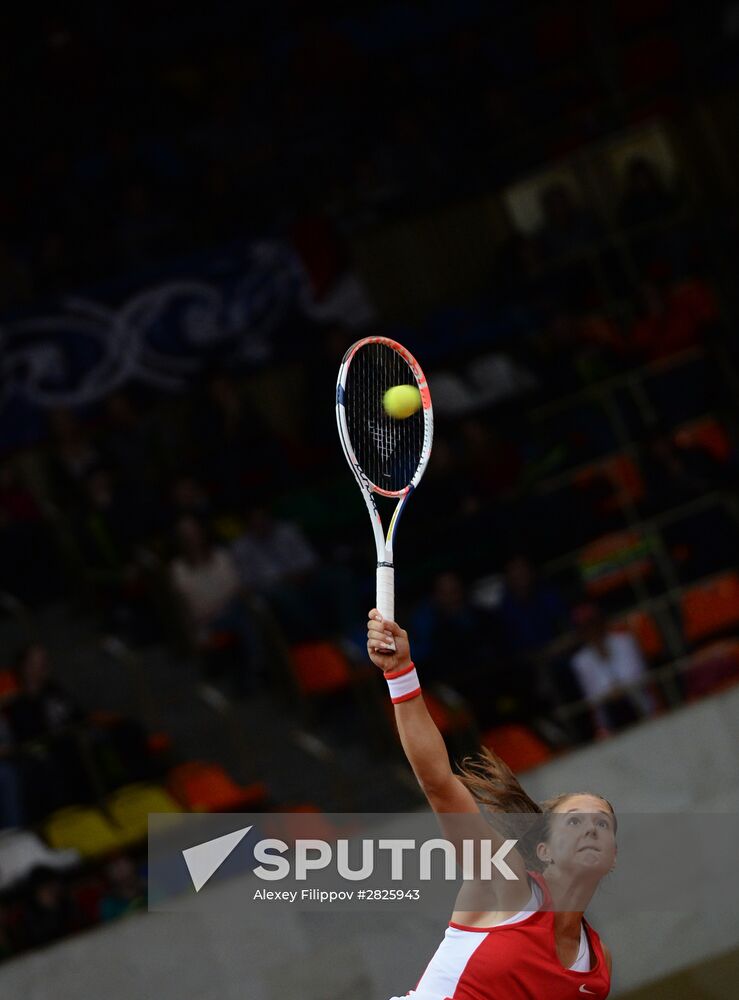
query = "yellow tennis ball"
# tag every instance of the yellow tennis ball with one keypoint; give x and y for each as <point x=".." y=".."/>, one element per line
<point x="401" y="401"/>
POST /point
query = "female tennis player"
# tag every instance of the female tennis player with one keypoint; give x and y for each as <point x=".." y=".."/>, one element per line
<point x="530" y="941"/>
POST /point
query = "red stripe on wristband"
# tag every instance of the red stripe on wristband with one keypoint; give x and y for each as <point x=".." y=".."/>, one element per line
<point x="393" y="674"/>
<point x="406" y="697"/>
<point x="403" y="684"/>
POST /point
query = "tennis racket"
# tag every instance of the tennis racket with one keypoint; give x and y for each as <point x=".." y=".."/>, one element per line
<point x="388" y="456"/>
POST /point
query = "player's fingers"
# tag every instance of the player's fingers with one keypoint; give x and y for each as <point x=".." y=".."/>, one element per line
<point x="392" y="627"/>
<point x="379" y="642"/>
<point x="378" y="647"/>
<point x="378" y="623"/>
<point x="376" y="615"/>
<point x="378" y="628"/>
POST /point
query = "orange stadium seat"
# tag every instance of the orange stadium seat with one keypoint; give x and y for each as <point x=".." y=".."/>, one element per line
<point x="712" y="669"/>
<point x="320" y="668"/>
<point x="708" y="434"/>
<point x="623" y="474"/>
<point x="8" y="685"/>
<point x="710" y="607"/>
<point x="158" y="743"/>
<point x="446" y="718"/>
<point x="451" y="715"/>
<point x="203" y="787"/>
<point x="518" y="745"/>
<point x="304" y="819"/>
<point x="646" y="631"/>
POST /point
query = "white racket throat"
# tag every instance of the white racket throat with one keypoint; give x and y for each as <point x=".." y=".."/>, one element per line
<point x="380" y="447"/>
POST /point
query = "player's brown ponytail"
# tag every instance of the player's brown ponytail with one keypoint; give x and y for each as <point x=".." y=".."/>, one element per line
<point x="495" y="787"/>
<point x="493" y="784"/>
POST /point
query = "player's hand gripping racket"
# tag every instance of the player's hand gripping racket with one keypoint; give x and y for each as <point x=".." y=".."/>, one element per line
<point x="387" y="454"/>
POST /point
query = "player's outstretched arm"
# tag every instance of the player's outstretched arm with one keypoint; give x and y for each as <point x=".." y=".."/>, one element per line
<point x="426" y="750"/>
<point x="422" y="741"/>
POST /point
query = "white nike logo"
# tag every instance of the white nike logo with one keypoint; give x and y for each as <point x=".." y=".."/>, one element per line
<point x="584" y="989"/>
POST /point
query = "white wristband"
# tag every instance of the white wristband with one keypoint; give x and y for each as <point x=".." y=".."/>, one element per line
<point x="403" y="684"/>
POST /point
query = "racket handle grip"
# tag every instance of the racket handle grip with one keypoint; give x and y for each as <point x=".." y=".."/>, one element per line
<point x="386" y="593"/>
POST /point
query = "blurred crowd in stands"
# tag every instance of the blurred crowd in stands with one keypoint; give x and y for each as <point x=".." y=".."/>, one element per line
<point x="585" y="463"/>
<point x="53" y="754"/>
<point x="152" y="134"/>
<point x="55" y="904"/>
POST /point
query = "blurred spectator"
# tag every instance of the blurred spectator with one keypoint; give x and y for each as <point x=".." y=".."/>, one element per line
<point x="580" y="347"/>
<point x="517" y="275"/>
<point x="448" y="495"/>
<point x="41" y="717"/>
<point x="187" y="495"/>
<point x="576" y="347"/>
<point x="491" y="462"/>
<point x="605" y="666"/>
<point x="126" y="890"/>
<point x="28" y="555"/>
<point x="272" y="553"/>
<point x="112" y="527"/>
<point x="646" y="196"/>
<point x="532" y="613"/>
<point x="207" y="580"/>
<point x="107" y="523"/>
<point x="235" y="450"/>
<point x="275" y="560"/>
<point x="675" y="474"/>
<point x="672" y="318"/>
<point x="50" y="912"/>
<point x="56" y="746"/>
<point x="11" y="803"/>
<point x="73" y="456"/>
<point x="450" y="509"/>
<point x="316" y="423"/>
<point x="703" y="541"/>
<point x="446" y="629"/>
<point x="130" y="445"/>
<point x="41" y="708"/>
<point x="567" y="227"/>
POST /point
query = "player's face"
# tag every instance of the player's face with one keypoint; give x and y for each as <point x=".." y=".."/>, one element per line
<point x="582" y="836"/>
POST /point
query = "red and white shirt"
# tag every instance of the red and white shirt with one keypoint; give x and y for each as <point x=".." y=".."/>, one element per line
<point x="515" y="960"/>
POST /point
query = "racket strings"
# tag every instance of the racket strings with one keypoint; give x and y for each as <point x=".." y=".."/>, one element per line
<point x="387" y="449"/>
<point x="385" y="441"/>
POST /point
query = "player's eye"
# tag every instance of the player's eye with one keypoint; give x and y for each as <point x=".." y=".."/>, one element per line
<point x="573" y="820"/>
